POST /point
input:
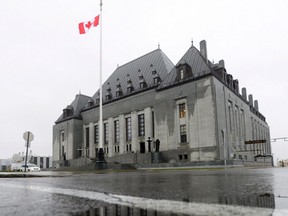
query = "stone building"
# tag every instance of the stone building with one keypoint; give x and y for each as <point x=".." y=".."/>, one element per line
<point x="194" y="109"/>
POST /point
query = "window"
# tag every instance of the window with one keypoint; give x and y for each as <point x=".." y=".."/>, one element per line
<point x="106" y="133"/>
<point x="183" y="71"/>
<point x="183" y="134"/>
<point x="128" y="148"/>
<point x="106" y="150"/>
<point x="117" y="149"/>
<point x="153" y="125"/>
<point x="181" y="74"/>
<point x="62" y="136"/>
<point x="141" y="125"/>
<point x="128" y="129"/>
<point x="119" y="93"/>
<point x="96" y="134"/>
<point x="109" y="97"/>
<point x="182" y="110"/>
<point x="156" y="80"/>
<point x="230" y="118"/>
<point x="87" y="137"/>
<point x="130" y="89"/>
<point x="143" y="85"/>
<point x="116" y="131"/>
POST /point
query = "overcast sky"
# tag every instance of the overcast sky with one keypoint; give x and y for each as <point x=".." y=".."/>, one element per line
<point x="45" y="62"/>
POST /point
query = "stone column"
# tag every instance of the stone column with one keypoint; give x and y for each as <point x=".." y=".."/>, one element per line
<point x="122" y="129"/>
<point x="91" y="140"/>
<point x="134" y="127"/>
<point x="148" y="126"/>
<point x="111" y="136"/>
<point x="83" y="153"/>
<point x="44" y="162"/>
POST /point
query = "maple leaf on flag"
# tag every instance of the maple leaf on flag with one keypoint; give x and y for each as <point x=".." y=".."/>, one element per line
<point x="84" y="27"/>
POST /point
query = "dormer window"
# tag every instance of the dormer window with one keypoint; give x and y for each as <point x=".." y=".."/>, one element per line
<point x="68" y="111"/>
<point x="156" y="78"/>
<point x="90" y="103"/>
<point x="130" y="87"/>
<point x="119" y="91"/>
<point x="181" y="74"/>
<point x="108" y="94"/>
<point x="142" y="82"/>
<point x="183" y="71"/>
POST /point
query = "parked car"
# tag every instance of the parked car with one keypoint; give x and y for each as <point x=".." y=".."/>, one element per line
<point x="29" y="167"/>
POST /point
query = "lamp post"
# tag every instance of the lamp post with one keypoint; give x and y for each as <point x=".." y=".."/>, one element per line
<point x="149" y="140"/>
<point x="28" y="137"/>
<point x="100" y="160"/>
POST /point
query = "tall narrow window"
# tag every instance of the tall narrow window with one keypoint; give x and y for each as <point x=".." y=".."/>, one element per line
<point x="181" y="74"/>
<point x="153" y="125"/>
<point x="182" y="110"/>
<point x="106" y="135"/>
<point x="128" y="129"/>
<point x="230" y="118"/>
<point x="62" y="136"/>
<point x="87" y="137"/>
<point x="141" y="125"/>
<point x="116" y="131"/>
<point x="183" y="134"/>
<point x="96" y="134"/>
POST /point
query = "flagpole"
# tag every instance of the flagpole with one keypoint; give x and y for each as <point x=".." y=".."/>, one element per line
<point x="100" y="154"/>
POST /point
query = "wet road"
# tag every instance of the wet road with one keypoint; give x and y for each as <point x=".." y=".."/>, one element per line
<point x="191" y="192"/>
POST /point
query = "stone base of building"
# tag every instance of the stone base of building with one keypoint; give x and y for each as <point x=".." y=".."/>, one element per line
<point x="163" y="159"/>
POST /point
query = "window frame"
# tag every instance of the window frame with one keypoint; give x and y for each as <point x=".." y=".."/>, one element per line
<point x="183" y="134"/>
<point x="128" y="126"/>
<point x="141" y="125"/>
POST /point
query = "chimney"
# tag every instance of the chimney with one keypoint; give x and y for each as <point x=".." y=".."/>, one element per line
<point x="203" y="49"/>
<point x="250" y="100"/>
<point x="256" y="105"/>
<point x="222" y="63"/>
<point x="236" y="86"/>
<point x="244" y="94"/>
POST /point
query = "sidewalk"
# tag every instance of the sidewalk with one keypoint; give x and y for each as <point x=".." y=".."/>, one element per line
<point x="34" y="174"/>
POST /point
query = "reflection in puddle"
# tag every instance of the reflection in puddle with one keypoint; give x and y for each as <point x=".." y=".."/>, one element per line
<point x="118" y="210"/>
<point x="266" y="201"/>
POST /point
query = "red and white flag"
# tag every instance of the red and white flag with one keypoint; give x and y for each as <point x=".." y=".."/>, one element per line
<point x="84" y="27"/>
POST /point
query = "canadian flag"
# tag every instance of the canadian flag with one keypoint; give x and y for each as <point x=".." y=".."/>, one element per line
<point x="84" y="27"/>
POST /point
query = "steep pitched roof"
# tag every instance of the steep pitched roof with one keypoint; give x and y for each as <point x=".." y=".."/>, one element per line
<point x="195" y="60"/>
<point x="145" y="66"/>
<point x="73" y="110"/>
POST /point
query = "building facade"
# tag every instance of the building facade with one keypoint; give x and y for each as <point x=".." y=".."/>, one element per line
<point x="155" y="111"/>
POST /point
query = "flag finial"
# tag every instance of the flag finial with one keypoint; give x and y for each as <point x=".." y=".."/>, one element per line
<point x="158" y="45"/>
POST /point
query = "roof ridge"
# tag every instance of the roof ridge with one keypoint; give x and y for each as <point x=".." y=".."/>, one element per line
<point x="83" y="95"/>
